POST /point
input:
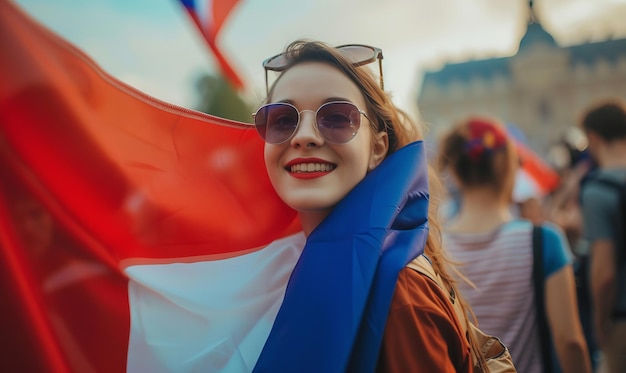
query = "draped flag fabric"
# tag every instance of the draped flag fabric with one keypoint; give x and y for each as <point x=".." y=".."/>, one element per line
<point x="209" y="17"/>
<point x="139" y="236"/>
<point x="342" y="286"/>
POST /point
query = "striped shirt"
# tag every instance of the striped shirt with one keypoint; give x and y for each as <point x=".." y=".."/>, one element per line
<point x="499" y="263"/>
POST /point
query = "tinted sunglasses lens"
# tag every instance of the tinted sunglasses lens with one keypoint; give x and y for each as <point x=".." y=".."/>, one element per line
<point x="338" y="122"/>
<point x="358" y="54"/>
<point x="276" y="122"/>
<point x="276" y="63"/>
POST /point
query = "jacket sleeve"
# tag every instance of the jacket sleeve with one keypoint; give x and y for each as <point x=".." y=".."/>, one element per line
<point x="422" y="333"/>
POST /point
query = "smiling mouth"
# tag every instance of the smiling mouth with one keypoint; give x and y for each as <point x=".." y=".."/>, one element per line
<point x="311" y="167"/>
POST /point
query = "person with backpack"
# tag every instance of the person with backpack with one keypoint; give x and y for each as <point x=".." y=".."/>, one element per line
<point x="496" y="253"/>
<point x="604" y="207"/>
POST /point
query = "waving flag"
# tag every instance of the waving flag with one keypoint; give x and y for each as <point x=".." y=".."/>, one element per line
<point x="100" y="183"/>
<point x="209" y="17"/>
<point x="535" y="177"/>
<point x="143" y="237"/>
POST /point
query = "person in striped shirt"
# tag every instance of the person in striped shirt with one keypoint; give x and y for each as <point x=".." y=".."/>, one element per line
<point x="494" y="251"/>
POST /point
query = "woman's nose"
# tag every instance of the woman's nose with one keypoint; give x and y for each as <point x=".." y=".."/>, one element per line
<point x="306" y="132"/>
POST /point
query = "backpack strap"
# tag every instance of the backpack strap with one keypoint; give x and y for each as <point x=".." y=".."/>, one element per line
<point x="540" y="307"/>
<point x="422" y="265"/>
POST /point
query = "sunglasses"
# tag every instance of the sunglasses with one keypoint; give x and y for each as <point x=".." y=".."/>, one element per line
<point x="357" y="54"/>
<point x="337" y="121"/>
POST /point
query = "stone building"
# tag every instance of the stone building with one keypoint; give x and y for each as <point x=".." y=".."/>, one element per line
<point x="543" y="89"/>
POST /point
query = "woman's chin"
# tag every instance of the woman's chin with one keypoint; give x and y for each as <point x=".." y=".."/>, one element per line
<point x="310" y="206"/>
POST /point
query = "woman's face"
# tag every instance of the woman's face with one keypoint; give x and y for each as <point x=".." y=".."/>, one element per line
<point x="339" y="166"/>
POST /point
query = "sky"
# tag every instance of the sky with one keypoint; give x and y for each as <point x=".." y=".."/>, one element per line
<point x="153" y="46"/>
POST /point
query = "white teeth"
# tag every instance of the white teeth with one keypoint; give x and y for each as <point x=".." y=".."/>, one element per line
<point x="311" y="167"/>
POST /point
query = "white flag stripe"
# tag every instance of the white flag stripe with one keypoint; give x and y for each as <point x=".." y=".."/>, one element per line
<point x="212" y="316"/>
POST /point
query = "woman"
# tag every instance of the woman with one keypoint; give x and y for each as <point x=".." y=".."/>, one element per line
<point x="495" y="251"/>
<point x="329" y="127"/>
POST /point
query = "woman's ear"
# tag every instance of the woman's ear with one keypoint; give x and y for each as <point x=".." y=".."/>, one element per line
<point x="379" y="149"/>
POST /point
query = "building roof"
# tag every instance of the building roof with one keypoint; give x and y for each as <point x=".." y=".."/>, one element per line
<point x="610" y="50"/>
<point x="465" y="71"/>
<point x="536" y="34"/>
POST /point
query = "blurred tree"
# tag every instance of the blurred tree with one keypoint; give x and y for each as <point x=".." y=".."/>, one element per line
<point x="217" y="97"/>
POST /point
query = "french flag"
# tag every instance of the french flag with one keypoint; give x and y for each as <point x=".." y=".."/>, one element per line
<point x="140" y="236"/>
<point x="535" y="178"/>
<point x="209" y="16"/>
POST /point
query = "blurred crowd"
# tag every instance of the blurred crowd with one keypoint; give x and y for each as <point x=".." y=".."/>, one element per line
<point x="568" y="318"/>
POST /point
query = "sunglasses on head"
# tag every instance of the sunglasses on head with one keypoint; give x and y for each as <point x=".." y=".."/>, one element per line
<point x="358" y="54"/>
<point x="337" y="121"/>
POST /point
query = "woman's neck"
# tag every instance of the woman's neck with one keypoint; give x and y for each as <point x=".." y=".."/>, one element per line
<point x="482" y="210"/>
<point x="310" y="220"/>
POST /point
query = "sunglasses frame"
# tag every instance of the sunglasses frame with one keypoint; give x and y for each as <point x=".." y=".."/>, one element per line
<point x="316" y="126"/>
<point x="377" y="55"/>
